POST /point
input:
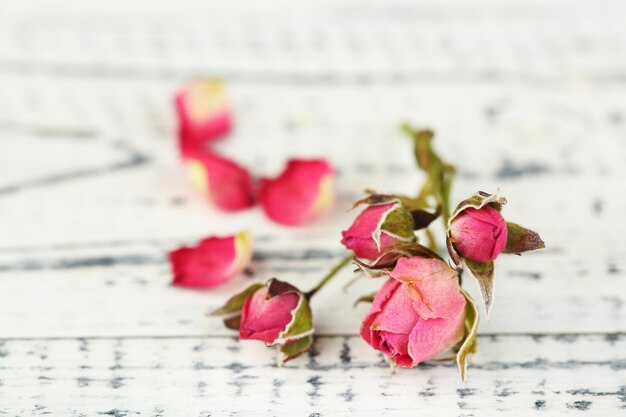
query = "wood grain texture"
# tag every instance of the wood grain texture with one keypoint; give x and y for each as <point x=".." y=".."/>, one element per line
<point x="518" y="375"/>
<point x="525" y="96"/>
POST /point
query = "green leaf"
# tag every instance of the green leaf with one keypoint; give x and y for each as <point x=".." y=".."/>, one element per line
<point x="301" y="324"/>
<point x="483" y="272"/>
<point x="294" y="349"/>
<point x="235" y="303"/>
<point x="468" y="343"/>
<point x="520" y="239"/>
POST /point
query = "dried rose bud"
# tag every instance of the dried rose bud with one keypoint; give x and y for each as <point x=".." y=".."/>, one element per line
<point x="377" y="228"/>
<point x="203" y="112"/>
<point x="301" y="193"/>
<point x="226" y="184"/>
<point x="418" y="313"/>
<point x="479" y="234"/>
<point x="213" y="261"/>
<point x="276" y="313"/>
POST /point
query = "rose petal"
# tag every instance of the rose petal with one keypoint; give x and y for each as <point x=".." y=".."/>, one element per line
<point x="227" y="184"/>
<point x="435" y="286"/>
<point x="213" y="261"/>
<point x="301" y="193"/>
<point x="203" y="111"/>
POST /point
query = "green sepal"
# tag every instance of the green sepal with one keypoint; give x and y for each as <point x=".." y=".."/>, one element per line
<point x="422" y="218"/>
<point x="364" y="299"/>
<point x="232" y="308"/>
<point x="235" y="303"/>
<point x="399" y="223"/>
<point x="374" y="199"/>
<point x="478" y="201"/>
<point x="294" y="349"/>
<point x="468" y="344"/>
<point x="519" y="239"/>
<point x="233" y="323"/>
<point x="484" y="273"/>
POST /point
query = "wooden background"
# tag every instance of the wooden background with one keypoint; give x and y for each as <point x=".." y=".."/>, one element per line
<point x="526" y="96"/>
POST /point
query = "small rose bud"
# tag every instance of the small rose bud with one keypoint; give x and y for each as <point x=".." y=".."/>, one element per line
<point x="301" y="193"/>
<point x="479" y="234"/>
<point x="276" y="313"/>
<point x="418" y="313"/>
<point x="377" y="228"/>
<point x="213" y="261"/>
<point x="264" y="318"/>
<point x="203" y="112"/>
<point x="225" y="183"/>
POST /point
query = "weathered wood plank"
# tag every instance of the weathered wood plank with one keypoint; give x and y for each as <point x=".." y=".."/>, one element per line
<point x="519" y="375"/>
<point x="388" y="42"/>
<point x="123" y="290"/>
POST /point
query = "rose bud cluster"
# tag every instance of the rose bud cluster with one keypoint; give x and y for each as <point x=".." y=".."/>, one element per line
<point x="212" y="262"/>
<point x="419" y="313"/>
<point x="301" y="193"/>
<point x="276" y="313"/>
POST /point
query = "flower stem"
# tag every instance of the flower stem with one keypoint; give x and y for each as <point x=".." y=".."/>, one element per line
<point x="345" y="261"/>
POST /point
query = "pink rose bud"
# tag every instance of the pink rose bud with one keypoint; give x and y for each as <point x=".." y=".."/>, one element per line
<point x="377" y="228"/>
<point x="225" y="183"/>
<point x="301" y="193"/>
<point x="276" y="313"/>
<point x="213" y="261"/>
<point x="265" y="319"/>
<point x="203" y="112"/>
<point x="479" y="234"/>
<point x="418" y="313"/>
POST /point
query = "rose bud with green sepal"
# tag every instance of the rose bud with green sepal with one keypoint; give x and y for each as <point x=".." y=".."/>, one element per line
<point x="276" y="313"/>
<point x="383" y="224"/>
<point x="477" y="233"/>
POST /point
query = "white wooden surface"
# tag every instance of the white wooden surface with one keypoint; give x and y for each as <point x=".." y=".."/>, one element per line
<point x="526" y="96"/>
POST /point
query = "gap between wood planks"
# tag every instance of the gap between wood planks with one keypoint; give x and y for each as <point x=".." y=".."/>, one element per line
<point x="327" y="335"/>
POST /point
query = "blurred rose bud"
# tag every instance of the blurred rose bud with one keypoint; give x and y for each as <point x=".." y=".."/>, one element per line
<point x="213" y="261"/>
<point x="225" y="183"/>
<point x="276" y="313"/>
<point x="478" y="234"/>
<point x="377" y="228"/>
<point x="301" y="193"/>
<point x="203" y="112"/>
<point x="418" y="313"/>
